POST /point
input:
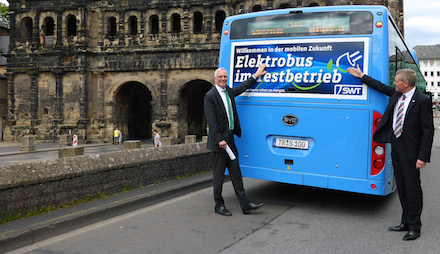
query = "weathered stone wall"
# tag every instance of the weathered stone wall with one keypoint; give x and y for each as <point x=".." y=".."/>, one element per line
<point x="42" y="184"/>
<point x="63" y="83"/>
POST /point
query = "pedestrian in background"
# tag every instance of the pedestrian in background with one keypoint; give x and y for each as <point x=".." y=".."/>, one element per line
<point x="408" y="125"/>
<point x="116" y="134"/>
<point x="157" y="142"/>
<point x="120" y="137"/>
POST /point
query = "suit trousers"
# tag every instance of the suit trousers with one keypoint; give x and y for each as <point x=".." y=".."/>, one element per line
<point x="408" y="183"/>
<point x="221" y="161"/>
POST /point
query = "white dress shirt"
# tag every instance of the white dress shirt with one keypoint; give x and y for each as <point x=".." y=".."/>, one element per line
<point x="408" y="98"/>
<point x="222" y="93"/>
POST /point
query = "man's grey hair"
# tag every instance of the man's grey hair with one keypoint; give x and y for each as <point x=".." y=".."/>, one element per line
<point x="219" y="69"/>
<point x="408" y="75"/>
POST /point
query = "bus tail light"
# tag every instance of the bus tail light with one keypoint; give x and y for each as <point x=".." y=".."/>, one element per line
<point x="378" y="149"/>
<point x="379" y="24"/>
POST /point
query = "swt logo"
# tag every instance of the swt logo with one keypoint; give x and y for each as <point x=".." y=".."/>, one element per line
<point x="348" y="90"/>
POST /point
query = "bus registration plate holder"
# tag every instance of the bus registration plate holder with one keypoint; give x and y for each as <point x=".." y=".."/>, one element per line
<point x="291" y="143"/>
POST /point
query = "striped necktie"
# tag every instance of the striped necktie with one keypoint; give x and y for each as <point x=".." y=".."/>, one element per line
<point x="399" y="121"/>
<point x="231" y="117"/>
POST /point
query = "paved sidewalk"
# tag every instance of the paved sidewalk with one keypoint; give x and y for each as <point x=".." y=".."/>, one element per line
<point x="12" y="148"/>
<point x="27" y="231"/>
<point x="9" y="148"/>
<point x="10" y="152"/>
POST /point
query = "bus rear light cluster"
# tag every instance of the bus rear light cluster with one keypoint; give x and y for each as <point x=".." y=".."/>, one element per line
<point x="378" y="149"/>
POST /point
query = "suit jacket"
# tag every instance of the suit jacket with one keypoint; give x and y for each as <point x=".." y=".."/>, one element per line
<point x="216" y="117"/>
<point x="418" y="126"/>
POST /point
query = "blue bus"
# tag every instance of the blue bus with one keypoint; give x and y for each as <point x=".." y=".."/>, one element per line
<point x="308" y="121"/>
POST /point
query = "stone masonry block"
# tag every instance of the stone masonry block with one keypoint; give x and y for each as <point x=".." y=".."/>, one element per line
<point x="70" y="151"/>
<point x="132" y="144"/>
<point x="166" y="141"/>
<point x="27" y="144"/>
<point x="65" y="140"/>
<point x="190" y="139"/>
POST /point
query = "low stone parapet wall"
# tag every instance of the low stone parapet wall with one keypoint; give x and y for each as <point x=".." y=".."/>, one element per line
<point x="27" y="186"/>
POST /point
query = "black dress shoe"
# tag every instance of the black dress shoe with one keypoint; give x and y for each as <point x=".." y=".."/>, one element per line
<point x="401" y="227"/>
<point x="251" y="207"/>
<point x="411" y="235"/>
<point x="222" y="211"/>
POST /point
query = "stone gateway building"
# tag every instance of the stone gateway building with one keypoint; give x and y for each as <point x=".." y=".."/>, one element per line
<point x="87" y="67"/>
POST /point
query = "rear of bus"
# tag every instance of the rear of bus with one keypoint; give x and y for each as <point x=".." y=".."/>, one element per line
<point x="308" y="121"/>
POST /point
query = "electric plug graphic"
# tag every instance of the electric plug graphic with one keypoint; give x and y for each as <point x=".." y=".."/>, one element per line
<point x="351" y="59"/>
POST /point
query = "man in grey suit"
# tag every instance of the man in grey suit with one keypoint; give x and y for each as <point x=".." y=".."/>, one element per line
<point x="408" y="125"/>
<point x="222" y="119"/>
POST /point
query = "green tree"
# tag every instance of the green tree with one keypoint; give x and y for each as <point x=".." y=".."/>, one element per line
<point x="4" y="17"/>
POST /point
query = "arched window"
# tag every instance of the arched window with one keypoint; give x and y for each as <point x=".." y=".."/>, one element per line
<point x="71" y="25"/>
<point x="49" y="26"/>
<point x="111" y="22"/>
<point x="26" y="26"/>
<point x="219" y="18"/>
<point x="154" y="24"/>
<point x="284" y="6"/>
<point x="257" y="8"/>
<point x="198" y="22"/>
<point x="175" y="28"/>
<point x="132" y="25"/>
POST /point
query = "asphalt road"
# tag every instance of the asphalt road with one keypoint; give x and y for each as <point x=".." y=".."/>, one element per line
<point x="293" y="220"/>
<point x="10" y="152"/>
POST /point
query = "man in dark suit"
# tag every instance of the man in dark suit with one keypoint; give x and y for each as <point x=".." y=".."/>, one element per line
<point x="222" y="119"/>
<point x="408" y="125"/>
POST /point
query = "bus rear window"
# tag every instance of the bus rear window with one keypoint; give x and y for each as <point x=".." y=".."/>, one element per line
<point x="303" y="24"/>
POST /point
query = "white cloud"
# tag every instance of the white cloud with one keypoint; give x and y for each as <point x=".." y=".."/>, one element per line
<point x="422" y="24"/>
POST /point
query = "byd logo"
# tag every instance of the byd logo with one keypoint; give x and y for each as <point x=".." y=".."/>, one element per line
<point x="290" y="120"/>
<point x="348" y="90"/>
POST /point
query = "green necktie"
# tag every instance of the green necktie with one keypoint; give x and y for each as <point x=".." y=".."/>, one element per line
<point x="231" y="118"/>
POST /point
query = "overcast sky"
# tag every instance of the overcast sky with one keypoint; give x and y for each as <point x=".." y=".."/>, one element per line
<point x="422" y="22"/>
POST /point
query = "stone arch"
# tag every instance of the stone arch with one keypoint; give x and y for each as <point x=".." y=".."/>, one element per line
<point x="283" y="4"/>
<point x="191" y="118"/>
<point x="257" y="8"/>
<point x="197" y="22"/>
<point x="153" y="21"/>
<point x="176" y="23"/>
<point x="132" y="25"/>
<point x="71" y="25"/>
<point x="133" y="111"/>
<point x="112" y="26"/>
<point x="154" y="24"/>
<point x="219" y="17"/>
<point x="112" y="92"/>
<point x="26" y="25"/>
<point x="314" y="3"/>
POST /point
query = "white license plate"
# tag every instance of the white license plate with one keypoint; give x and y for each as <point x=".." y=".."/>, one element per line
<point x="291" y="143"/>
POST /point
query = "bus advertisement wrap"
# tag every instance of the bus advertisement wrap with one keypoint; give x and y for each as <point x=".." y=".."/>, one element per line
<point x="313" y="68"/>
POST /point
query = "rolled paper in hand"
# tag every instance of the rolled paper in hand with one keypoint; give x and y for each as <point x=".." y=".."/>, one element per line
<point x="230" y="153"/>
